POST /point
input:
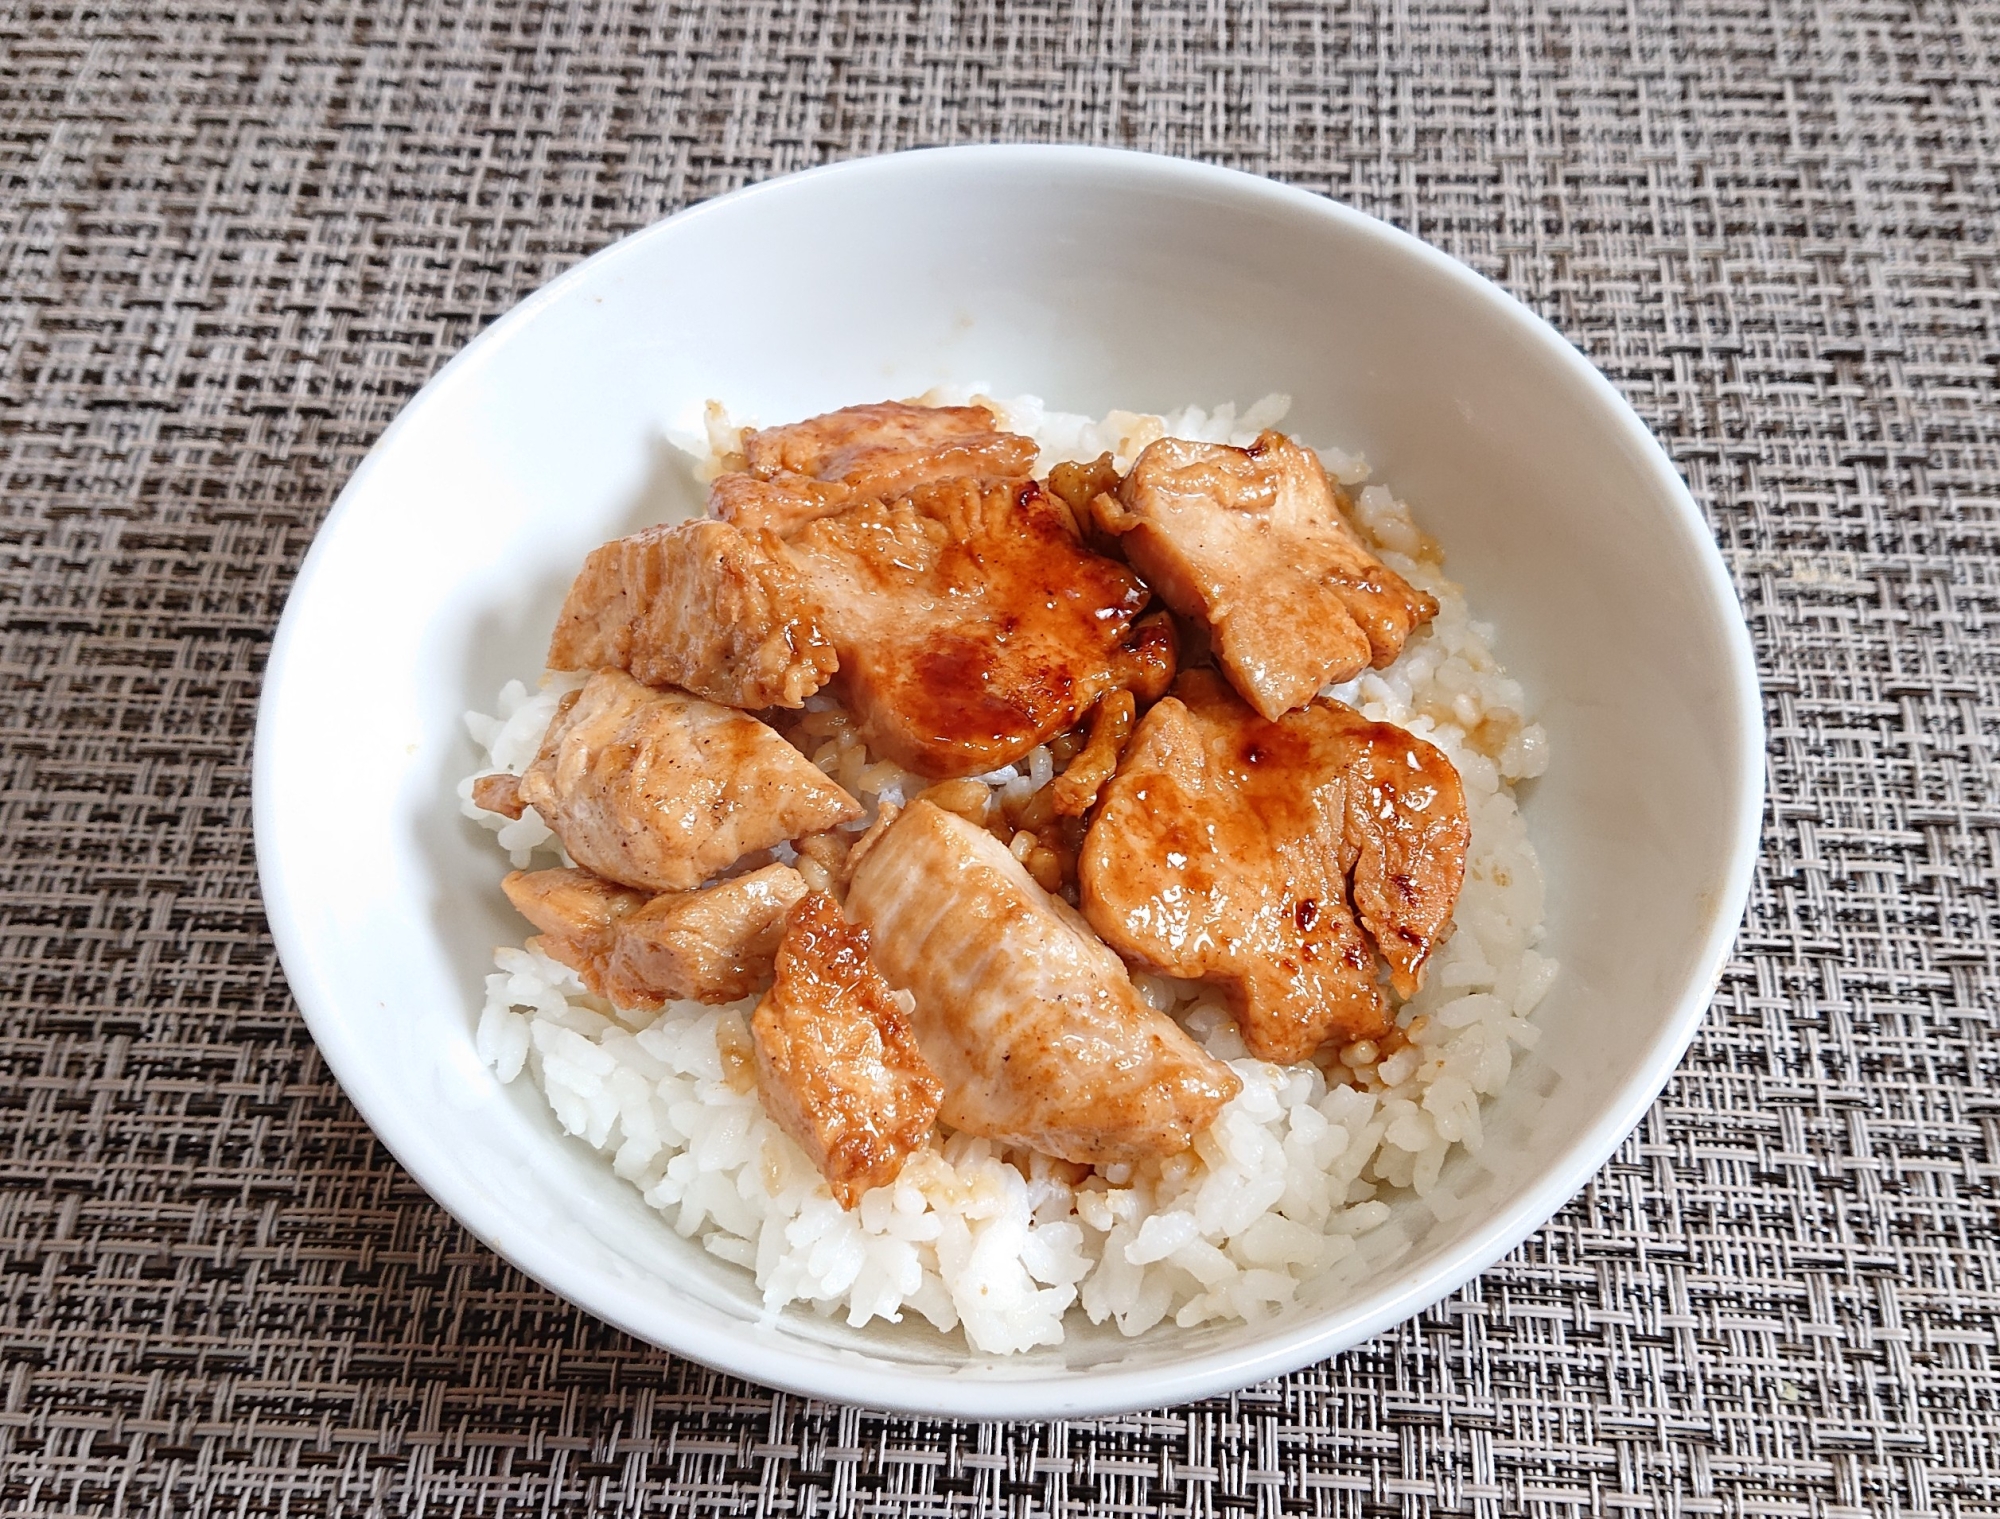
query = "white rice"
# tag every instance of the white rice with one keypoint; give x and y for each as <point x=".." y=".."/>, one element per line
<point x="1003" y="1245"/>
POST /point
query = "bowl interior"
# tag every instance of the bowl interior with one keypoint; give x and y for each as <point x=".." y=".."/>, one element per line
<point x="1095" y="280"/>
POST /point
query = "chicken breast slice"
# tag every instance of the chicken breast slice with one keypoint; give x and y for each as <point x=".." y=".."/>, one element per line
<point x="714" y="945"/>
<point x="661" y="790"/>
<point x="702" y="605"/>
<point x="1251" y="541"/>
<point x="1223" y="848"/>
<point x="972" y="624"/>
<point x="796" y="473"/>
<point x="838" y="1066"/>
<point x="1032" y="1025"/>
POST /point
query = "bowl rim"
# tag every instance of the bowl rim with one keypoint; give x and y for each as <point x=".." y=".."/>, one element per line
<point x="1064" y="1392"/>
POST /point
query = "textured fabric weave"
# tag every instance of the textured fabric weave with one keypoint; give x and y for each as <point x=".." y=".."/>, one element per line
<point x="235" y="238"/>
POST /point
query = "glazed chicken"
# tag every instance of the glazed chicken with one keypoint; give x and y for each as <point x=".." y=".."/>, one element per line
<point x="1032" y="1025"/>
<point x="661" y="790"/>
<point x="712" y="945"/>
<point x="1251" y="541"/>
<point x="1224" y="847"/>
<point x="701" y="605"/>
<point x="972" y="624"/>
<point x="837" y="1065"/>
<point x="805" y="470"/>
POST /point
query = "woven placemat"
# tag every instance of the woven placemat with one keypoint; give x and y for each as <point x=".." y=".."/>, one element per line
<point x="235" y="238"/>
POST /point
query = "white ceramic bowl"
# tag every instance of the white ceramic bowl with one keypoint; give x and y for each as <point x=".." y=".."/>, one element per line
<point x="1094" y="279"/>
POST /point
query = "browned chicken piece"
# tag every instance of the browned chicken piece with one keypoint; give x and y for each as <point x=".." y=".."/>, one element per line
<point x="1078" y="486"/>
<point x="1081" y="484"/>
<point x="1030" y="1022"/>
<point x="837" y="1064"/>
<point x="701" y="605"/>
<point x="1222" y="850"/>
<point x="1251" y="540"/>
<point x="712" y="945"/>
<point x="971" y="623"/>
<point x="805" y="470"/>
<point x="1150" y="657"/>
<point x="1075" y="790"/>
<point x="577" y="915"/>
<point x="499" y="793"/>
<point x="661" y="790"/>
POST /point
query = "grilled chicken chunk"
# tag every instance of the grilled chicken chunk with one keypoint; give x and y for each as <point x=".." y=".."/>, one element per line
<point x="499" y="792"/>
<point x="1251" y="541"/>
<point x="712" y="945"/>
<point x="1032" y="1025"/>
<point x="1075" y="790"/>
<point x="796" y="473"/>
<point x="661" y="790"/>
<point x="701" y="605"/>
<point x="1222" y="851"/>
<point x="837" y="1065"/>
<point x="971" y="623"/>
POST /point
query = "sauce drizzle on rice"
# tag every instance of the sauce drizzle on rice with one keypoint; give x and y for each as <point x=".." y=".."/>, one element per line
<point x="1009" y="1246"/>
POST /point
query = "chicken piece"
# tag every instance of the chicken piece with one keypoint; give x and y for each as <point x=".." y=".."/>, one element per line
<point x="891" y="445"/>
<point x="837" y="1065"/>
<point x="1075" y="790"/>
<point x="713" y="945"/>
<point x="971" y="623"/>
<point x="1222" y="850"/>
<point x="1032" y="1025"/>
<point x="1150" y="658"/>
<point x="661" y="790"/>
<point x="1252" y="541"/>
<point x="577" y="915"/>
<point x="1078" y="486"/>
<point x="499" y="792"/>
<point x="1081" y="484"/>
<point x="806" y="470"/>
<point x="701" y="605"/>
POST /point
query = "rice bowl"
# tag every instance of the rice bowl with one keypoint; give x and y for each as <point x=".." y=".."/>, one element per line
<point x="420" y="599"/>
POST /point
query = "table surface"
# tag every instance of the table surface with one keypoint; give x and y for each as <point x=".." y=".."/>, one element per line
<point x="234" y="239"/>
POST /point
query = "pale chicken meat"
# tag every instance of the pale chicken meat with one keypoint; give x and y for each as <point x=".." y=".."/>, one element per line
<point x="702" y="605"/>
<point x="1224" y="847"/>
<point x="838" y="1065"/>
<point x="1251" y="541"/>
<point x="796" y="473"/>
<point x="711" y="945"/>
<point x="1031" y="1024"/>
<point x="972" y="624"/>
<point x="660" y="790"/>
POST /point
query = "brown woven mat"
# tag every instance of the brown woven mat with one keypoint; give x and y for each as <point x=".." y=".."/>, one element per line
<point x="234" y="239"/>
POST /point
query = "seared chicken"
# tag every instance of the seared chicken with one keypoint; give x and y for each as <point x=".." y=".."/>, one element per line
<point x="1251" y="541"/>
<point x="1032" y="1025"/>
<point x="577" y="915"/>
<point x="661" y="790"/>
<point x="1223" y="848"/>
<point x="499" y="792"/>
<point x="1074" y="792"/>
<point x="972" y="624"/>
<point x="711" y="945"/>
<point x="837" y="1064"/>
<point x="808" y="469"/>
<point x="701" y="605"/>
